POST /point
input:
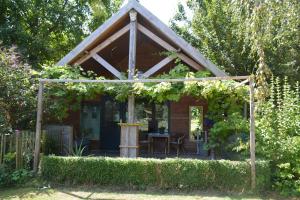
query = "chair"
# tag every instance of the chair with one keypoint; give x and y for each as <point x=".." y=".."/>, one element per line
<point x="145" y="141"/>
<point x="178" y="143"/>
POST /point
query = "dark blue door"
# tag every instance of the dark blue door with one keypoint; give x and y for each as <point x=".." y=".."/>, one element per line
<point x="112" y="113"/>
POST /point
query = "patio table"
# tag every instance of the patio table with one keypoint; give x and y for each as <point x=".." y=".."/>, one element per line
<point x="166" y="136"/>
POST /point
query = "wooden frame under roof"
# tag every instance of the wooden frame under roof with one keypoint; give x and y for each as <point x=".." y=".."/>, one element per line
<point x="117" y="25"/>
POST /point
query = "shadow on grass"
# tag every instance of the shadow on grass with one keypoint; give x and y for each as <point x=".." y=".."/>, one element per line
<point x="120" y="193"/>
<point x="22" y="192"/>
<point x="94" y="192"/>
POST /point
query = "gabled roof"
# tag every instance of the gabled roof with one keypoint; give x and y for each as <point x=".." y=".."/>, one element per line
<point x="155" y="22"/>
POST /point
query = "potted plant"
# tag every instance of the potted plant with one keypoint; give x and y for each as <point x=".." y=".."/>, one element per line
<point x="162" y="129"/>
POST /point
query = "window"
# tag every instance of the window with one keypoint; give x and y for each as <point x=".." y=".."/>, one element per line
<point x="143" y="113"/>
<point x="90" y="122"/>
<point x="196" y="121"/>
<point x="162" y="113"/>
<point x="152" y="116"/>
<point x="112" y="113"/>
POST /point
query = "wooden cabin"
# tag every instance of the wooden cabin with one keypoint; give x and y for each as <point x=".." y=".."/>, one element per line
<point x="133" y="40"/>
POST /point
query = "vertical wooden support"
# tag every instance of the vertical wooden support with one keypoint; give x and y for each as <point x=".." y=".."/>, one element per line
<point x="130" y="131"/>
<point x="18" y="150"/>
<point x="4" y="145"/>
<point x="11" y="136"/>
<point x="252" y="134"/>
<point x="38" y="128"/>
<point x="132" y="44"/>
<point x="1" y="148"/>
<point x="245" y="110"/>
<point x="132" y="61"/>
<point x="131" y="69"/>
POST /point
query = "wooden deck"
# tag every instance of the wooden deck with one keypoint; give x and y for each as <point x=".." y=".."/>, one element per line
<point x="144" y="154"/>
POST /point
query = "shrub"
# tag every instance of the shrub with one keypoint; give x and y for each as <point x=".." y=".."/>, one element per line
<point x="9" y="175"/>
<point x="170" y="173"/>
<point x="278" y="135"/>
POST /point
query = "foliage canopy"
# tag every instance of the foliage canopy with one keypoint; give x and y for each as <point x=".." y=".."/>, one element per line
<point x="46" y="30"/>
<point x="245" y="37"/>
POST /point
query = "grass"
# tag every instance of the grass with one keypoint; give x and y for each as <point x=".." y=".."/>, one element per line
<point x="112" y="193"/>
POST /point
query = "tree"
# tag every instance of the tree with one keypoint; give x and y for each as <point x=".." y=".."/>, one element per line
<point x="44" y="31"/>
<point x="245" y="37"/>
<point x="17" y="92"/>
<point x="102" y="10"/>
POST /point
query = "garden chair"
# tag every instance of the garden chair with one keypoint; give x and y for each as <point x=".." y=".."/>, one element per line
<point x="144" y="142"/>
<point x="178" y="143"/>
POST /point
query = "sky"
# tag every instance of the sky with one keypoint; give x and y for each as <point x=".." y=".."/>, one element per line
<point x="163" y="9"/>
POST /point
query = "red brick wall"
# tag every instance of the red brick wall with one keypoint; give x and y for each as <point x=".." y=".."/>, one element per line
<point x="179" y="119"/>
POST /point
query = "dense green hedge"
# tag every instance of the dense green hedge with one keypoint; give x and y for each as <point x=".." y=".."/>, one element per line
<point x="169" y="173"/>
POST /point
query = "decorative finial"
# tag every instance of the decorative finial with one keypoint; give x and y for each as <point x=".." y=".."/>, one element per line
<point x="133" y="15"/>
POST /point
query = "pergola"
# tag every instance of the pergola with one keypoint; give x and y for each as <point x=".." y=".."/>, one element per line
<point x="243" y="79"/>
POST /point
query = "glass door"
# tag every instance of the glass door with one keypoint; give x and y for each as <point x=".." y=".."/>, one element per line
<point x="113" y="112"/>
<point x="90" y="121"/>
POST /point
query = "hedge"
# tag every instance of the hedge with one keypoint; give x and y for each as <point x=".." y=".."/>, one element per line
<point x="221" y="175"/>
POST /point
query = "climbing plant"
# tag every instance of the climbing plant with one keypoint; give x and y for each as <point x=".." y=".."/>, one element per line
<point x="226" y="98"/>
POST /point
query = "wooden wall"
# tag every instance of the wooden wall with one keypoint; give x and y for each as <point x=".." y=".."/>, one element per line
<point x="179" y="119"/>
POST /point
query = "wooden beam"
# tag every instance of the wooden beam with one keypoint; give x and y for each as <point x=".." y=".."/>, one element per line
<point x="158" y="66"/>
<point x="180" y="42"/>
<point x="218" y="78"/>
<point x="169" y="47"/>
<point x="252" y="134"/>
<point x="1" y="148"/>
<point x="38" y="131"/>
<point x="18" y="149"/>
<point x="155" y="38"/>
<point x="104" y="44"/>
<point x="189" y="61"/>
<point x="132" y="43"/>
<point x="107" y="66"/>
<point x="125" y="152"/>
<point x="132" y="60"/>
<point x="90" y="40"/>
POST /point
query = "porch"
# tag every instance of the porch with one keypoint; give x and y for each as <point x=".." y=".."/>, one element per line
<point x="169" y="129"/>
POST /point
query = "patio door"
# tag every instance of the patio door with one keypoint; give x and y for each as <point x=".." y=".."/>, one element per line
<point x="112" y="112"/>
<point x="90" y="121"/>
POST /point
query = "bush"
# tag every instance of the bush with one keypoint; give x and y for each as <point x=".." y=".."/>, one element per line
<point x="9" y="176"/>
<point x="170" y="173"/>
<point x="278" y="135"/>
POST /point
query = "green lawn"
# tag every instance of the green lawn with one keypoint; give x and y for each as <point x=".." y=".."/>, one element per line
<point x="66" y="193"/>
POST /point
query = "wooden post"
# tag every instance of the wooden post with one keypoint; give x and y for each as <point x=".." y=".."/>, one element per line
<point x="130" y="131"/>
<point x="131" y="69"/>
<point x="4" y="146"/>
<point x="132" y="60"/>
<point x="18" y="150"/>
<point x="11" y="136"/>
<point x="252" y="134"/>
<point x="245" y="110"/>
<point x="38" y="128"/>
<point x="1" y="148"/>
